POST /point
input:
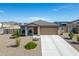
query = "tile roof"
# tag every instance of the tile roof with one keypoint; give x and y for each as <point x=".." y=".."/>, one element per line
<point x="43" y="23"/>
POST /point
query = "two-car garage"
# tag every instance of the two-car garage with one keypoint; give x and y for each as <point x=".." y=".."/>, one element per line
<point x="49" y="30"/>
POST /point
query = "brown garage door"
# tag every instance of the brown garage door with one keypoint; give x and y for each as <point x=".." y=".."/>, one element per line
<point x="48" y="30"/>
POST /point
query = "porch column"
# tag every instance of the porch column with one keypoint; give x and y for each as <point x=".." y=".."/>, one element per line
<point x="38" y="30"/>
<point x="26" y="31"/>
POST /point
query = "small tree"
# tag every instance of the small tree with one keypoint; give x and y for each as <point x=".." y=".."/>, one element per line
<point x="17" y="41"/>
<point x="71" y="34"/>
<point x="17" y="34"/>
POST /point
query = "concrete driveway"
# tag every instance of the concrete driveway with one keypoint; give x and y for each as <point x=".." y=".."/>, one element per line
<point x="54" y="45"/>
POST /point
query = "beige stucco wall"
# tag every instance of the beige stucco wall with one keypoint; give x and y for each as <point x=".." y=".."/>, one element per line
<point x="48" y="30"/>
<point x="64" y="30"/>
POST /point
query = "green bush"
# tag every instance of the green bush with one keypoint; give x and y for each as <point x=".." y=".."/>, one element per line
<point x="77" y="38"/>
<point x="71" y="34"/>
<point x="30" y="45"/>
<point x="17" y="41"/>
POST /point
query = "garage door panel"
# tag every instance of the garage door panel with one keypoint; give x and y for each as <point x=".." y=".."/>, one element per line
<point x="48" y="30"/>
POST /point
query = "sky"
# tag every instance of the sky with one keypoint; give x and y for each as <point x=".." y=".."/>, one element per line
<point x="28" y="12"/>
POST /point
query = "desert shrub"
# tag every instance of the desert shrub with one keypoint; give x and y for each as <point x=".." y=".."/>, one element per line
<point x="30" y="45"/>
<point x="18" y="41"/>
<point x="16" y="35"/>
<point x="71" y="34"/>
<point x="77" y="38"/>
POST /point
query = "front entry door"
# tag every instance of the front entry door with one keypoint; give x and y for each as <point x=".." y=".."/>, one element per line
<point x="23" y="32"/>
<point x="35" y="31"/>
<point x="30" y="32"/>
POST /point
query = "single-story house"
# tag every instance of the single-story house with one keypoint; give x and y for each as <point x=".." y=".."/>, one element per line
<point x="74" y="25"/>
<point x="8" y="27"/>
<point x="62" y="27"/>
<point x="39" y="27"/>
<point x="65" y="27"/>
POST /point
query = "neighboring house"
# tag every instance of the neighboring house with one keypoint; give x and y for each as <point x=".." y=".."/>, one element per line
<point x="62" y="27"/>
<point x="73" y="25"/>
<point x="1" y="29"/>
<point x="8" y="27"/>
<point x="65" y="27"/>
<point x="39" y="27"/>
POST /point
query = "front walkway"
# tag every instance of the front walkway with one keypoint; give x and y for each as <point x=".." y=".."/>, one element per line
<point x="54" y="45"/>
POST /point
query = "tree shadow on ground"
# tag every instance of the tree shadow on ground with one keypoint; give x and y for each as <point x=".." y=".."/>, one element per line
<point x="14" y="46"/>
<point x="74" y="42"/>
<point x="11" y="37"/>
<point x="67" y="38"/>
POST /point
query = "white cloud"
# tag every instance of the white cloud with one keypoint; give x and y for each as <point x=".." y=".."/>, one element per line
<point x="31" y="19"/>
<point x="64" y="7"/>
<point x="37" y="18"/>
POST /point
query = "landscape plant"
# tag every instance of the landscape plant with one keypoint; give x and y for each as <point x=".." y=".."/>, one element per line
<point x="77" y="38"/>
<point x="17" y="41"/>
<point x="71" y="34"/>
<point x="17" y="35"/>
<point x="30" y="45"/>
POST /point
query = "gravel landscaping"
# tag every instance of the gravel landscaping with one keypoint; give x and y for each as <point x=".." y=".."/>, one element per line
<point x="8" y="48"/>
<point x="71" y="42"/>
